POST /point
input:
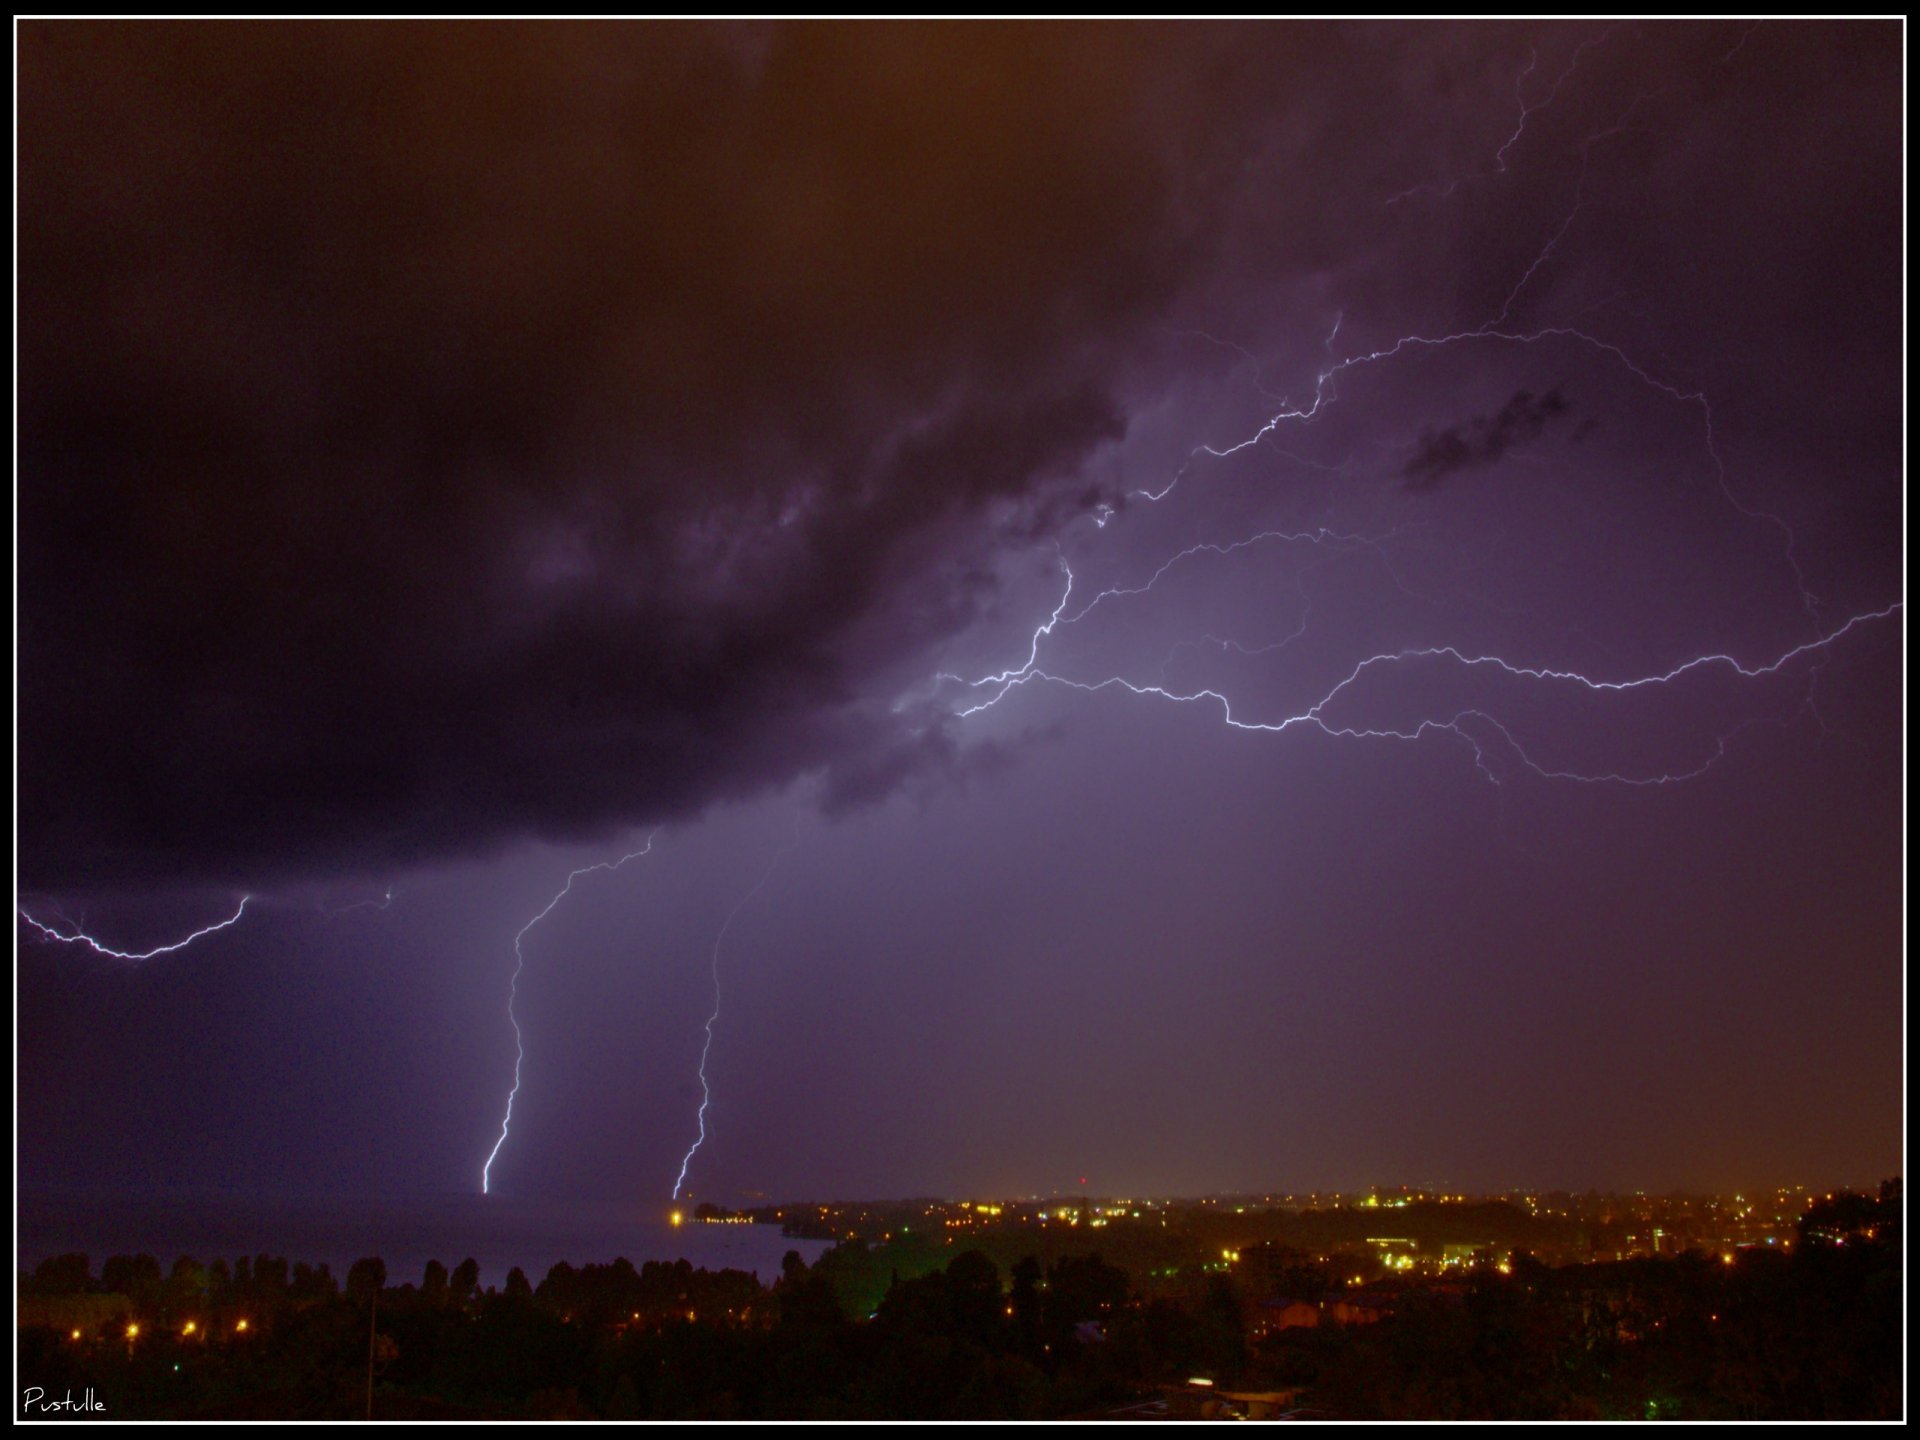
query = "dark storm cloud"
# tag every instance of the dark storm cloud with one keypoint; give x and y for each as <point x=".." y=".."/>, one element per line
<point x="1481" y="440"/>
<point x="432" y="436"/>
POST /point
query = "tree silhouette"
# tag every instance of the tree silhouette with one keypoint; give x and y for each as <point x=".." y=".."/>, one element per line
<point x="466" y="1279"/>
<point x="366" y="1278"/>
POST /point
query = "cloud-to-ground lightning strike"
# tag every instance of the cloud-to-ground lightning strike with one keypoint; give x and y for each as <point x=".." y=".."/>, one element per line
<point x="80" y="937"/>
<point x="706" y="1090"/>
<point x="513" y="990"/>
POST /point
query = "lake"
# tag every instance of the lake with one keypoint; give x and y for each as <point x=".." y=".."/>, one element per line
<point x="405" y="1234"/>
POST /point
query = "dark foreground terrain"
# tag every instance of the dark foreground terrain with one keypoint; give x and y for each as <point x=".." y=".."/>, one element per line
<point x="1810" y="1330"/>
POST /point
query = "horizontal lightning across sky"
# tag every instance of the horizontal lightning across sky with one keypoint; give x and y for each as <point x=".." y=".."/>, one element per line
<point x="1325" y="391"/>
<point x="76" y="935"/>
<point x="383" y="901"/>
<point x="1313" y="715"/>
<point x="1498" y="328"/>
<point x="99" y="947"/>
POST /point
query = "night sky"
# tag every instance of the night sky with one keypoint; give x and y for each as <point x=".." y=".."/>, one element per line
<point x="449" y="454"/>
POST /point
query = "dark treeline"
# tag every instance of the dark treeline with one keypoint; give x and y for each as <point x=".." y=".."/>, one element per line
<point x="1815" y="1333"/>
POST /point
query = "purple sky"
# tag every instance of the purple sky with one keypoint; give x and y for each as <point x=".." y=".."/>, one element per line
<point x="448" y="454"/>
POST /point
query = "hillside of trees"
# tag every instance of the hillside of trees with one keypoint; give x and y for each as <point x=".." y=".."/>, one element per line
<point x="1814" y="1333"/>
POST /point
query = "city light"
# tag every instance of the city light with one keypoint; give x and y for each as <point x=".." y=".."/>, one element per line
<point x="451" y="453"/>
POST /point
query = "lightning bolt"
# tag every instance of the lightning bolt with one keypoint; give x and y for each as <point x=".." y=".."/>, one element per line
<point x="513" y="991"/>
<point x="1253" y="361"/>
<point x="1492" y="329"/>
<point x="80" y="937"/>
<point x="1461" y="724"/>
<point x="1618" y="127"/>
<point x="1314" y="716"/>
<point x="384" y="902"/>
<point x="1325" y="392"/>
<point x="706" y="1090"/>
<point x="1527" y="112"/>
<point x="1321" y="536"/>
